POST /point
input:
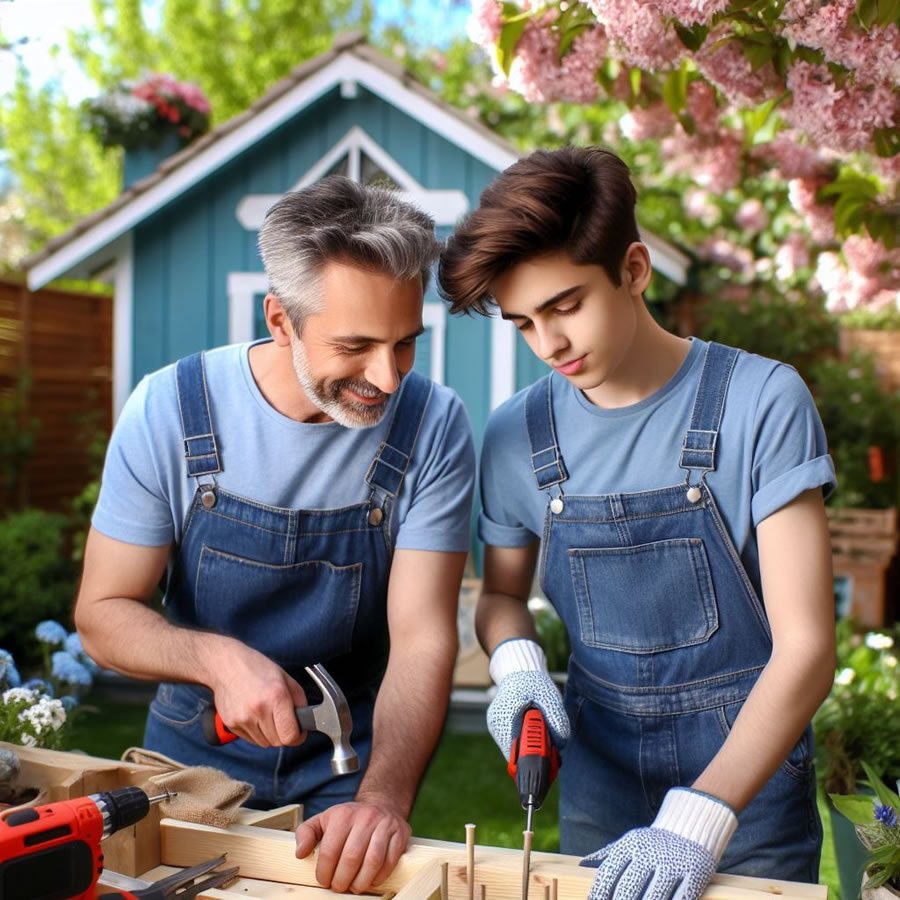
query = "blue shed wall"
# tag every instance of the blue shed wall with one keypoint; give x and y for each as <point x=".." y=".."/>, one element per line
<point x="184" y="253"/>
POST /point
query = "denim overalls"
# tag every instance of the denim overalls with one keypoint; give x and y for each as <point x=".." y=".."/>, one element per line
<point x="301" y="586"/>
<point x="668" y="638"/>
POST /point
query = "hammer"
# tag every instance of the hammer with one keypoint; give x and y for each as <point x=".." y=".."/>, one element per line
<point x="331" y="717"/>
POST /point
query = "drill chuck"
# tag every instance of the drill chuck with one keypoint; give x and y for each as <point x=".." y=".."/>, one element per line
<point x="121" y="808"/>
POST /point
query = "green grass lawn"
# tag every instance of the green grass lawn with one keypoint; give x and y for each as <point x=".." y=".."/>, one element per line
<point x="466" y="782"/>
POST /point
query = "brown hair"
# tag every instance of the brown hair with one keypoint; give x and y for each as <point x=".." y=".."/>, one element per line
<point x="577" y="199"/>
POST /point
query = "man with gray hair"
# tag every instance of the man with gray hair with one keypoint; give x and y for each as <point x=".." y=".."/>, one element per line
<point x="304" y="499"/>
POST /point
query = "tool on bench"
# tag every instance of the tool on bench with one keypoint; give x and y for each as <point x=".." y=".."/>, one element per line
<point x="178" y="886"/>
<point x="331" y="717"/>
<point x="53" y="852"/>
<point x="533" y="764"/>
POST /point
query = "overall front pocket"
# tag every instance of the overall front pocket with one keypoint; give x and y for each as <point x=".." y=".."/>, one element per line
<point x="646" y="598"/>
<point x="295" y="614"/>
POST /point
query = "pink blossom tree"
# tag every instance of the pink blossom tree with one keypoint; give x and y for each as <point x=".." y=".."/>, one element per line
<point x="780" y="120"/>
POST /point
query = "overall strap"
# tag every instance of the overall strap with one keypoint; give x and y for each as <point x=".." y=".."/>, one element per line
<point x="546" y="460"/>
<point x="699" y="448"/>
<point x="392" y="460"/>
<point x="200" y="448"/>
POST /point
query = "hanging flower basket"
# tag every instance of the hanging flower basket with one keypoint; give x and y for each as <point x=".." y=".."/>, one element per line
<point x="136" y="114"/>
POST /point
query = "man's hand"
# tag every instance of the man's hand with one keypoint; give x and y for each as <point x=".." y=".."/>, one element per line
<point x="255" y="698"/>
<point x="359" y="844"/>
<point x="678" y="854"/>
<point x="520" y="669"/>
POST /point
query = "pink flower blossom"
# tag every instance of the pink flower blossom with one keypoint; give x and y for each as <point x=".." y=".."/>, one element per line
<point x="538" y="74"/>
<point x="831" y="27"/>
<point x="842" y="118"/>
<point x="871" y="259"/>
<point x="723" y="252"/>
<point x="731" y="72"/>
<point x="714" y="163"/>
<point x="642" y="124"/>
<point x="698" y="204"/>
<point x="792" y="159"/>
<point x="691" y="12"/>
<point x="638" y="34"/>
<point x="819" y="217"/>
<point x="485" y="23"/>
<point x="702" y="105"/>
<point x="792" y="255"/>
<point x="752" y="215"/>
<point x="193" y="96"/>
<point x="847" y="289"/>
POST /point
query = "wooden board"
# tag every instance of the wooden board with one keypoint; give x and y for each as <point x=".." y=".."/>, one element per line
<point x="267" y="854"/>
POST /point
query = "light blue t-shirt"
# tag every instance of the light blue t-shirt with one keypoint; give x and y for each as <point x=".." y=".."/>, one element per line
<point x="771" y="448"/>
<point x="269" y="458"/>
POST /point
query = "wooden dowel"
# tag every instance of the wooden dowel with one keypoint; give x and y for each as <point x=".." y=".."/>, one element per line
<point x="527" y="837"/>
<point x="470" y="860"/>
<point x="554" y="890"/>
<point x="482" y="890"/>
<point x="445" y="881"/>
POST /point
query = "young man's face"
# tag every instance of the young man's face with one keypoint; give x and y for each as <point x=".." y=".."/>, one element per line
<point x="573" y="317"/>
<point x="352" y="355"/>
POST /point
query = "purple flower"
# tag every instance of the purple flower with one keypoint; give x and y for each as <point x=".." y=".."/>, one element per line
<point x="887" y="815"/>
<point x="69" y="702"/>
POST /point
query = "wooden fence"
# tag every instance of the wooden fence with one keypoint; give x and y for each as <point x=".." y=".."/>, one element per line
<point x="63" y="341"/>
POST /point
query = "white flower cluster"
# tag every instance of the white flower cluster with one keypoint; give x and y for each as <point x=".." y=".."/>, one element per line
<point x="46" y="714"/>
<point x="18" y="695"/>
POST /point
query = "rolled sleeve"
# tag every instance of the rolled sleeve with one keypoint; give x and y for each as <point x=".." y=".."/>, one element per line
<point x="497" y="535"/>
<point x="818" y="472"/>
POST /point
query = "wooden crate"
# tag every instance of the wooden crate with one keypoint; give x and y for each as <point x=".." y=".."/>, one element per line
<point x="863" y="543"/>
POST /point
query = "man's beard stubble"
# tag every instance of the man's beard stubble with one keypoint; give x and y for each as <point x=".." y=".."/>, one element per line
<point x="331" y="399"/>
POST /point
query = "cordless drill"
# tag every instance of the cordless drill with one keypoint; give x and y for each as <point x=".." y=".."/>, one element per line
<point x="53" y="852"/>
<point x="533" y="762"/>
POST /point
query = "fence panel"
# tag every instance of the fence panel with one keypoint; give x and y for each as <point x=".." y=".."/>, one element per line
<point x="64" y="341"/>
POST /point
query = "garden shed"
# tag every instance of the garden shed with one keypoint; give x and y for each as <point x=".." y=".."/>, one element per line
<point x="179" y="244"/>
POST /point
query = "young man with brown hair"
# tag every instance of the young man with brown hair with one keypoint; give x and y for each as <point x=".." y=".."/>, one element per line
<point x="671" y="491"/>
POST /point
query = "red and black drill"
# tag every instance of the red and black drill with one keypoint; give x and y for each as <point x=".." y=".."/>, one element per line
<point x="53" y="852"/>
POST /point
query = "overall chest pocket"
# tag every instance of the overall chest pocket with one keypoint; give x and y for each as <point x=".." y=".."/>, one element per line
<point x="645" y="598"/>
<point x="295" y="614"/>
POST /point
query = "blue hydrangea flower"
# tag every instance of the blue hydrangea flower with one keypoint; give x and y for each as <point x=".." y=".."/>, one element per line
<point x="887" y="815"/>
<point x="9" y="674"/>
<point x="66" y="668"/>
<point x="75" y="647"/>
<point x="69" y="702"/>
<point x="50" y="632"/>
<point x="39" y="685"/>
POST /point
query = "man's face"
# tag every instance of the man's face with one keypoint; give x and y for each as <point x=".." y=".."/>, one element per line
<point x="352" y="355"/>
<point x="573" y="317"/>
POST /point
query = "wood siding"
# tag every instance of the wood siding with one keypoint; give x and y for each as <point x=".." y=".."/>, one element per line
<point x="64" y="341"/>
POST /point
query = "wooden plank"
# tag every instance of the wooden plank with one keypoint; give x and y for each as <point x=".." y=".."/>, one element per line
<point x="424" y="885"/>
<point x="248" y="888"/>
<point x="284" y="818"/>
<point x="269" y="854"/>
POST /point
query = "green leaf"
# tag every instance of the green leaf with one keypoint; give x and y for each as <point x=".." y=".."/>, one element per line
<point x="856" y="807"/>
<point x="866" y="13"/>
<point x="758" y="53"/>
<point x="567" y="36"/>
<point x="886" y="796"/>
<point x="506" y="45"/>
<point x="675" y="89"/>
<point x="634" y="79"/>
<point x="887" y="141"/>
<point x="692" y="37"/>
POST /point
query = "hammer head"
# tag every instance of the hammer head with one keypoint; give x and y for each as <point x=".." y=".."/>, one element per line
<point x="331" y="717"/>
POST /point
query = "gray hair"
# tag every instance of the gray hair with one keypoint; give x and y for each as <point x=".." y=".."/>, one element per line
<point x="338" y="220"/>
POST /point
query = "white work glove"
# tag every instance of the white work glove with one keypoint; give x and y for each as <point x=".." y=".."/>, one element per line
<point x="675" y="857"/>
<point x="519" y="669"/>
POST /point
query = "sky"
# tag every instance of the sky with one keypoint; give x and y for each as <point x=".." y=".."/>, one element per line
<point x="42" y="25"/>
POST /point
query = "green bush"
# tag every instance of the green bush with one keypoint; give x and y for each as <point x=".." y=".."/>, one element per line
<point x="858" y="414"/>
<point x="37" y="577"/>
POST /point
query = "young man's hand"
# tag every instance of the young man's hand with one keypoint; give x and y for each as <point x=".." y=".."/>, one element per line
<point x="255" y="697"/>
<point x="519" y="668"/>
<point x="679" y="852"/>
<point x="359" y="844"/>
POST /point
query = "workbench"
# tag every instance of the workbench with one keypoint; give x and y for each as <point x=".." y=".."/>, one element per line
<point x="261" y="844"/>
